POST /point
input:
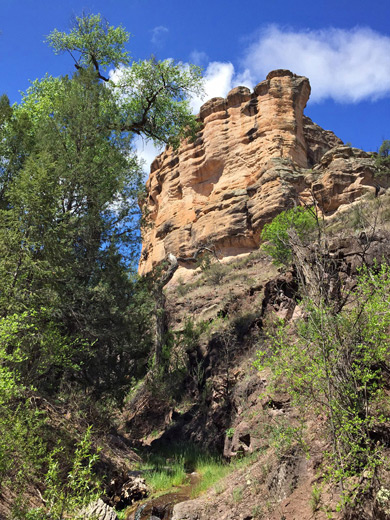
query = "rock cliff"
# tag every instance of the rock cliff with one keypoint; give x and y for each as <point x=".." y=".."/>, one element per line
<point x="257" y="154"/>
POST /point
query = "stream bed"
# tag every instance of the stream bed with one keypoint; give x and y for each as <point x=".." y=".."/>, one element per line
<point x="162" y="506"/>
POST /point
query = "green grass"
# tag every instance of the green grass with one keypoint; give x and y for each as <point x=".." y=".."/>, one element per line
<point x="165" y="470"/>
<point x="214" y="469"/>
<point x="211" y="470"/>
<point x="165" y="479"/>
<point x="169" y="468"/>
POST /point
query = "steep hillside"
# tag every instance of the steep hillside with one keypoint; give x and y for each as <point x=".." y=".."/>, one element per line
<point x="212" y="395"/>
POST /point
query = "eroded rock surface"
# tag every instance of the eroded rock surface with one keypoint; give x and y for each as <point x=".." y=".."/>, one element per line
<point x="256" y="155"/>
<point x="127" y="490"/>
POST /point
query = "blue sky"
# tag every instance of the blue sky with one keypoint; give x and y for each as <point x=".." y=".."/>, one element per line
<point x="343" y="47"/>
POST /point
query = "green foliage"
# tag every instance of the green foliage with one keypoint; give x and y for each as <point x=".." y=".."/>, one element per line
<point x="229" y="433"/>
<point x="69" y="235"/>
<point x="275" y="234"/>
<point x="384" y="150"/>
<point x="163" y="479"/>
<point x="5" y="109"/>
<point x="213" y="468"/>
<point x="333" y="365"/>
<point x="69" y="216"/>
<point x="21" y="446"/>
<point x="383" y="159"/>
<point x="151" y="95"/>
<point x="26" y="440"/>
<point x="153" y="99"/>
<point x="33" y="350"/>
<point x="315" y="498"/>
<point x="80" y="486"/>
<point x="74" y="317"/>
<point x="71" y="493"/>
<point x="170" y="377"/>
<point x="92" y="41"/>
<point x="283" y="436"/>
<point x="170" y="466"/>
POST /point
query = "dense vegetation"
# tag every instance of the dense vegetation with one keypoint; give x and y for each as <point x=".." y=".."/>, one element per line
<point x="75" y="323"/>
<point x="275" y="237"/>
<point x="334" y="361"/>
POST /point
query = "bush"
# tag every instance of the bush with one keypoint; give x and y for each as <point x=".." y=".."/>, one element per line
<point x="383" y="159"/>
<point x="334" y="364"/>
<point x="275" y="234"/>
<point x="215" y="272"/>
<point x="27" y="455"/>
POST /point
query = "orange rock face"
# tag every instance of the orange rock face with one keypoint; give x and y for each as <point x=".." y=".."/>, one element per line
<point x="252" y="159"/>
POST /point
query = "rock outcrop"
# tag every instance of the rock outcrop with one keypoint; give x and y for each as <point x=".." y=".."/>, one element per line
<point x="256" y="155"/>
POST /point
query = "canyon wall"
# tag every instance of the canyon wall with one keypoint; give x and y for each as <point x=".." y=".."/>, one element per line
<point x="256" y="155"/>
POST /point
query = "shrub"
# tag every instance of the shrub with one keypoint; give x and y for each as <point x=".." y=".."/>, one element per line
<point x="229" y="433"/>
<point x="333" y="364"/>
<point x="216" y="272"/>
<point x="275" y="234"/>
<point x="383" y="159"/>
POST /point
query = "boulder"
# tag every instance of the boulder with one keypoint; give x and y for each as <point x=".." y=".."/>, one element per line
<point x="98" y="510"/>
<point x="125" y="491"/>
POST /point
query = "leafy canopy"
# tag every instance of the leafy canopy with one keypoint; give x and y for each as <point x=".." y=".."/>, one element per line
<point x="92" y="42"/>
<point x="275" y="234"/>
<point x="152" y="95"/>
<point x="69" y="217"/>
<point x="153" y="99"/>
<point x="74" y="318"/>
<point x="383" y="159"/>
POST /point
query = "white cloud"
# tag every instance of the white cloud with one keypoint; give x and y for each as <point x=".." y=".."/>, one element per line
<point x="218" y="80"/>
<point x="199" y="58"/>
<point x="146" y="151"/>
<point x="158" y="34"/>
<point x="115" y="75"/>
<point x="345" y="65"/>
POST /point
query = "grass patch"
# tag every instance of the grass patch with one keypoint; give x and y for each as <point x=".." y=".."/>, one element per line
<point x="164" y="479"/>
<point x="165" y="470"/>
<point x="169" y="468"/>
<point x="211" y="471"/>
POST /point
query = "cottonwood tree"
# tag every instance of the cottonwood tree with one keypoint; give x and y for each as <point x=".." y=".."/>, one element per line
<point x="74" y="318"/>
<point x="69" y="223"/>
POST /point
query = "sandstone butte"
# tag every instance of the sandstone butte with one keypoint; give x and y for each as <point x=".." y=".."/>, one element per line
<point x="256" y="155"/>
